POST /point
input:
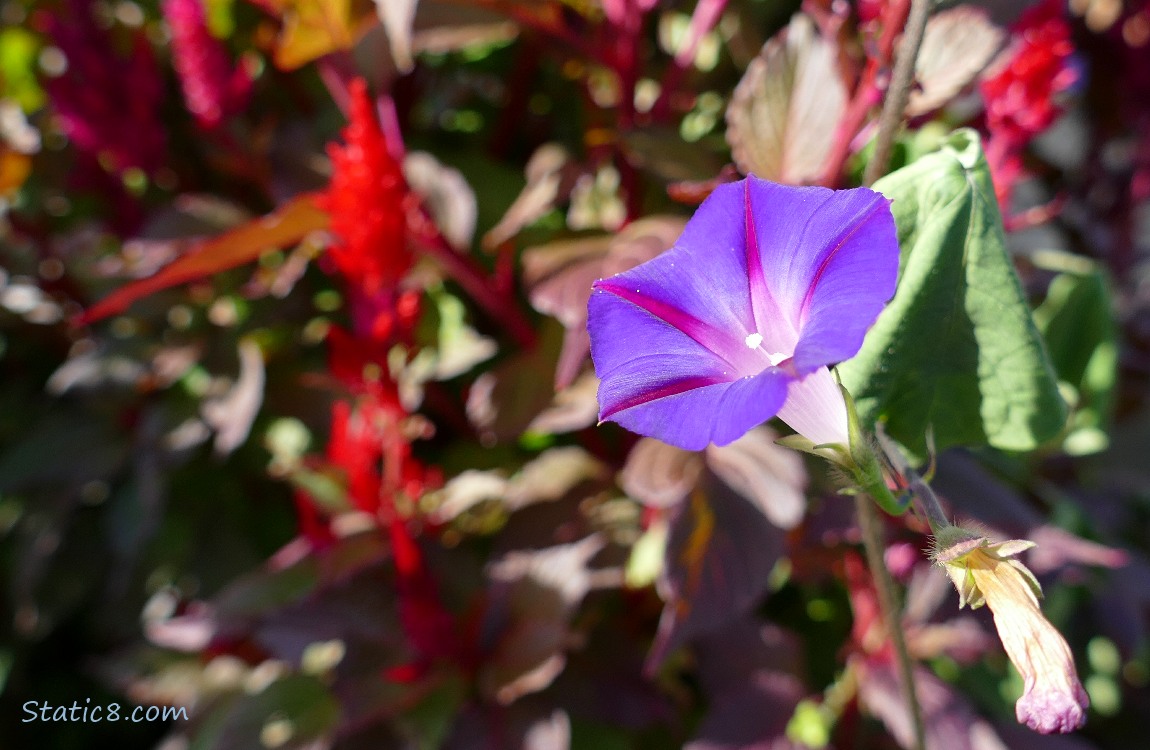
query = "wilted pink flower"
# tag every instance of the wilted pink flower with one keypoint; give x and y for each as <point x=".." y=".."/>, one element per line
<point x="1053" y="699"/>
<point x="107" y="104"/>
<point x="213" y="90"/>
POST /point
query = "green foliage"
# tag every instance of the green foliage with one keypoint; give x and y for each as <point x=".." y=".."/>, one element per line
<point x="1077" y="322"/>
<point x="956" y="351"/>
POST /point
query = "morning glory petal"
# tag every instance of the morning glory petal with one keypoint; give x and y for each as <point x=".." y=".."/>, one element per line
<point x="827" y="258"/>
<point x="639" y="356"/>
<point x="718" y="413"/>
<point x="850" y="281"/>
<point x="704" y="277"/>
<point x="767" y="285"/>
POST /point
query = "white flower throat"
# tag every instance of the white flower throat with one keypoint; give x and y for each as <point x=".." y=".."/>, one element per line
<point x="755" y="340"/>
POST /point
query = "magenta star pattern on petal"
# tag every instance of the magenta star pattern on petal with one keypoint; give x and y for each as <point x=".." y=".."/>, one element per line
<point x="767" y="286"/>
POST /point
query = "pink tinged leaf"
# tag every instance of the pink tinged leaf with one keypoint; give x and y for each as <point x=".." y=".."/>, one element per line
<point x="782" y="117"/>
<point x="958" y="44"/>
<point x="949" y="720"/>
<point x="770" y="476"/>
<point x="660" y="475"/>
<point x="447" y="195"/>
<point x="232" y="414"/>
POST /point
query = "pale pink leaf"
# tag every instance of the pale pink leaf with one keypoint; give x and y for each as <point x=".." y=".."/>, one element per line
<point x="782" y="118"/>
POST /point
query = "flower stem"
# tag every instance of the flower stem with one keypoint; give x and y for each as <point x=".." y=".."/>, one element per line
<point x="899" y="90"/>
<point x="871" y="527"/>
<point x="891" y="118"/>
<point x="925" y="501"/>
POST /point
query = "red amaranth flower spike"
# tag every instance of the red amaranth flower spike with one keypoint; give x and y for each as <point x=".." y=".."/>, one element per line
<point x="1021" y="93"/>
<point x="367" y="200"/>
<point x="213" y="89"/>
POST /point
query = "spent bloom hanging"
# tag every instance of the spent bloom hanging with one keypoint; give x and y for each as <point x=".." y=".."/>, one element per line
<point x="767" y="286"/>
<point x="1053" y="699"/>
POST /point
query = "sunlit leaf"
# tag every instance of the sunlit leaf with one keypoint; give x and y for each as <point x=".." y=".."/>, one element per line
<point x="660" y="475"/>
<point x="956" y="351"/>
<point x="782" y="118"/>
<point x="231" y="414"/>
<point x="959" y="42"/>
<point x="314" y="28"/>
<point x="287" y="225"/>
<point x="550" y="176"/>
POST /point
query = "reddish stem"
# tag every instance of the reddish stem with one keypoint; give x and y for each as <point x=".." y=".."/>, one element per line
<point x="471" y="276"/>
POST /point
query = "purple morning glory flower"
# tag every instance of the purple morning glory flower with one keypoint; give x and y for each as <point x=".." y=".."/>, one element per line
<point x="738" y="322"/>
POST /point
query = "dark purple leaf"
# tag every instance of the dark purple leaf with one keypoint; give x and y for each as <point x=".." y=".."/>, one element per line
<point x="526" y="627"/>
<point x="750" y="674"/>
<point x="720" y="553"/>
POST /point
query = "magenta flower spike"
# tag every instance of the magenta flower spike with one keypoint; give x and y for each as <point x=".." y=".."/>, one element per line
<point x="767" y="286"/>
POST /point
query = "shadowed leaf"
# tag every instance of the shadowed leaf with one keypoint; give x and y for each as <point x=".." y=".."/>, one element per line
<point x="720" y="552"/>
<point x="750" y="675"/>
<point x="533" y="596"/>
<point x="949" y="720"/>
<point x="956" y="351"/>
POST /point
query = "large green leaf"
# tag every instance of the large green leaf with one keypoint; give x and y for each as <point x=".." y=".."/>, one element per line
<point x="956" y="351"/>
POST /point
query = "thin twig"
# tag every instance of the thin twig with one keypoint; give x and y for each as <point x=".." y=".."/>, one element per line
<point x="891" y="118"/>
<point x="872" y="535"/>
<point x="899" y="90"/>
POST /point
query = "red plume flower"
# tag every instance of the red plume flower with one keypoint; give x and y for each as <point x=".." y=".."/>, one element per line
<point x="367" y="201"/>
